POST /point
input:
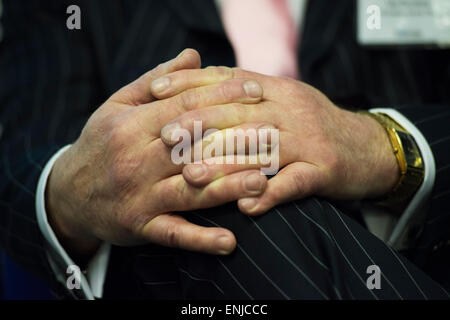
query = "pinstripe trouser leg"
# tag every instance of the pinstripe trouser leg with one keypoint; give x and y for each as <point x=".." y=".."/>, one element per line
<point x="301" y="250"/>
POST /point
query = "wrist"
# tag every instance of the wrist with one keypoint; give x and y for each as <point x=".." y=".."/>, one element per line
<point x="383" y="164"/>
<point x="63" y="210"/>
<point x="409" y="159"/>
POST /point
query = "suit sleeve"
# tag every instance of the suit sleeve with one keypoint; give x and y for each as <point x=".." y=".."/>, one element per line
<point x="46" y="88"/>
<point x="433" y="121"/>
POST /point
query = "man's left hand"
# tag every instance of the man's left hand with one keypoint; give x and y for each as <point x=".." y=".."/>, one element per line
<point x="324" y="150"/>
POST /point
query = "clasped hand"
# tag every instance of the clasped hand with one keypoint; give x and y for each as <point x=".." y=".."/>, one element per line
<point x="117" y="182"/>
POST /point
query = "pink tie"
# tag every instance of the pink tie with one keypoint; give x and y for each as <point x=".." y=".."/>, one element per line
<point x="263" y="35"/>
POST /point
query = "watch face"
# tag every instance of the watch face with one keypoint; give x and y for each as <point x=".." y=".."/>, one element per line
<point x="412" y="153"/>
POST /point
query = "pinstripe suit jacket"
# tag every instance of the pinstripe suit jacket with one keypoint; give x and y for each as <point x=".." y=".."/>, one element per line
<point x="52" y="79"/>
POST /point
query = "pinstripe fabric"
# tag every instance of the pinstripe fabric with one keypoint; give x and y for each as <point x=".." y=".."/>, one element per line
<point x="302" y="250"/>
<point x="52" y="79"/>
<point x="1" y="29"/>
<point x="413" y="81"/>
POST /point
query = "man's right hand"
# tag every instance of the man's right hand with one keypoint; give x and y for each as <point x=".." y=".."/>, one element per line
<point x="117" y="183"/>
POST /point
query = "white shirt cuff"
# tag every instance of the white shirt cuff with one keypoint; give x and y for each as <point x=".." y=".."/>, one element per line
<point x="92" y="283"/>
<point x="417" y="204"/>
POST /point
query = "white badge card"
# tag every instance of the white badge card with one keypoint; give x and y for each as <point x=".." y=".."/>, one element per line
<point x="403" y="22"/>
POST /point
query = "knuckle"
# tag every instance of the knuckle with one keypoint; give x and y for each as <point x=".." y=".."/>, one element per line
<point x="189" y="99"/>
<point x="160" y="65"/>
<point x="172" y="235"/>
<point x="119" y="133"/>
<point x="158" y="114"/>
<point x="115" y="139"/>
<point x="298" y="181"/>
<point x="191" y="54"/>
<point x="122" y="168"/>
<point x="101" y="121"/>
<point x="158" y="69"/>
<point x="181" y="192"/>
<point x="294" y="86"/>
<point x="226" y="91"/>
<point x="237" y="72"/>
<point x="174" y="194"/>
<point x="120" y="174"/>
<point x="223" y="72"/>
<point x="187" y="120"/>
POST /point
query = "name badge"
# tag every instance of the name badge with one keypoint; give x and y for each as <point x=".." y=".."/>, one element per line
<point x="403" y="22"/>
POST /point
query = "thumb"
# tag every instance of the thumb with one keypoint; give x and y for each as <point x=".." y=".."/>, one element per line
<point x="138" y="92"/>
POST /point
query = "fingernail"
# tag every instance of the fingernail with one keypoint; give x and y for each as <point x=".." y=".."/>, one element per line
<point x="252" y="89"/>
<point x="161" y="84"/>
<point x="225" y="244"/>
<point x="248" y="203"/>
<point x="168" y="131"/>
<point x="196" y="171"/>
<point x="254" y="182"/>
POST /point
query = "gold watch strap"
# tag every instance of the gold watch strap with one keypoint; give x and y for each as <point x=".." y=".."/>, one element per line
<point x="408" y="157"/>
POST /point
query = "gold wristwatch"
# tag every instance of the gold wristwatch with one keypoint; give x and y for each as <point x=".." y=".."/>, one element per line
<point x="408" y="157"/>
